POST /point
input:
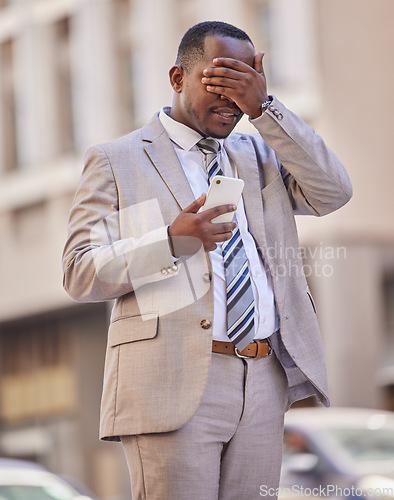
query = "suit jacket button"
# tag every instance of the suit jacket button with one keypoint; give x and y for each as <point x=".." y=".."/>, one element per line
<point x="205" y="323"/>
<point x="207" y="277"/>
<point x="164" y="272"/>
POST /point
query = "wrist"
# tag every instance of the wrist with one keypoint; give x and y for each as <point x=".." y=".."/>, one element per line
<point x="266" y="104"/>
<point x="256" y="114"/>
<point x="261" y="109"/>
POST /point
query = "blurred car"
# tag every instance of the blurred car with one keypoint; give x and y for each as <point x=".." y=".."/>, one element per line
<point x="338" y="452"/>
<point x="23" y="480"/>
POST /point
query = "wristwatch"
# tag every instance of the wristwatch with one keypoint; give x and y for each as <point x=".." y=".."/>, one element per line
<point x="265" y="105"/>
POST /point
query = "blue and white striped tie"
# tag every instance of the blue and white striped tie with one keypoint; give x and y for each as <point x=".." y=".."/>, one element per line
<point x="240" y="300"/>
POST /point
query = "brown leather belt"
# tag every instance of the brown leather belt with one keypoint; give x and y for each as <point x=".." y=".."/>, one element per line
<point x="256" y="349"/>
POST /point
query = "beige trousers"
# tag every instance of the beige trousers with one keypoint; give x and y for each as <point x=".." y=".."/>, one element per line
<point x="230" y="448"/>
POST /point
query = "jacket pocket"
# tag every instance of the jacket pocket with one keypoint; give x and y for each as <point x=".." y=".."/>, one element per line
<point x="132" y="329"/>
<point x="273" y="187"/>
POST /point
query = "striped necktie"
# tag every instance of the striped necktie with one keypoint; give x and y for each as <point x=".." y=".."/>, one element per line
<point x="240" y="300"/>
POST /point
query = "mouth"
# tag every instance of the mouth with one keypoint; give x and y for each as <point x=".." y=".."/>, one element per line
<point x="227" y="115"/>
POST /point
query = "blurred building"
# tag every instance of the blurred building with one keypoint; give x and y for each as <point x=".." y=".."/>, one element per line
<point x="76" y="72"/>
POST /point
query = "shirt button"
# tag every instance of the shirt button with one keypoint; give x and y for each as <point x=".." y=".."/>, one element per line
<point x="207" y="277"/>
<point x="205" y="324"/>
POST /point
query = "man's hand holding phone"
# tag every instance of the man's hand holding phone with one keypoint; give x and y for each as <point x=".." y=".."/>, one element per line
<point x="208" y="220"/>
<point x="191" y="228"/>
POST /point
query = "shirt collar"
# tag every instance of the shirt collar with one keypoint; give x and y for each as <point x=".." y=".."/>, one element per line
<point x="185" y="137"/>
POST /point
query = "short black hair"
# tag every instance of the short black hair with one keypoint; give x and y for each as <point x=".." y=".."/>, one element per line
<point x="191" y="48"/>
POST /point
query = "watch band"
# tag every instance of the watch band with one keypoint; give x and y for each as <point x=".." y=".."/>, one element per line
<point x="265" y="105"/>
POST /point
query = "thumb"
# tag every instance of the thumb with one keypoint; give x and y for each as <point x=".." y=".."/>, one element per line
<point x="195" y="206"/>
<point x="258" y="62"/>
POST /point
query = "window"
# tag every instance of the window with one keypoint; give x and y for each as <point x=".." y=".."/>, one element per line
<point x="37" y="378"/>
<point x="63" y="85"/>
<point x="124" y="58"/>
<point x="8" y="139"/>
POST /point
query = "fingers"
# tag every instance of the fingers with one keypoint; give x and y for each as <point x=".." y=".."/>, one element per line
<point x="195" y="206"/>
<point x="225" y="93"/>
<point x="222" y="72"/>
<point x="189" y="227"/>
<point x="221" y="80"/>
<point x="221" y="237"/>
<point x="258" y="62"/>
<point x="215" y="83"/>
<point x="239" y="82"/>
<point x="211" y="233"/>
<point x="211" y="213"/>
<point x="223" y="228"/>
<point x="222" y="76"/>
<point x="224" y="233"/>
<point x="234" y="64"/>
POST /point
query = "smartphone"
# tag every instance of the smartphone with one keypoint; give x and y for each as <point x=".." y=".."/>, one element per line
<point x="223" y="191"/>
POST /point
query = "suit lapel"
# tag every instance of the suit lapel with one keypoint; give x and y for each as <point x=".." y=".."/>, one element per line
<point x="242" y="155"/>
<point x="164" y="158"/>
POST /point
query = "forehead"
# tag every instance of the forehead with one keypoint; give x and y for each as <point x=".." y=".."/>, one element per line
<point x="219" y="46"/>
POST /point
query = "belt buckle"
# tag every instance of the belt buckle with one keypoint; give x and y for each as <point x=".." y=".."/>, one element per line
<point x="239" y="355"/>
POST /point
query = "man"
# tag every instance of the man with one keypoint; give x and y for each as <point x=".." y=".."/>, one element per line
<point x="200" y="415"/>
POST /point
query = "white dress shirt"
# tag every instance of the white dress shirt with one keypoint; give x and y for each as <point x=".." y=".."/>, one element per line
<point x="185" y="142"/>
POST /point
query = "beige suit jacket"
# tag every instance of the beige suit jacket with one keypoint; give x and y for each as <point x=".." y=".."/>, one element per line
<point x="159" y="339"/>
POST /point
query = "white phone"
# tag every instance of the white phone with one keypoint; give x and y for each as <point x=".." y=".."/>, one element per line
<point x="223" y="191"/>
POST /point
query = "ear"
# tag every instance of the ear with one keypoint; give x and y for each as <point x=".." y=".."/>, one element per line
<point x="176" y="74"/>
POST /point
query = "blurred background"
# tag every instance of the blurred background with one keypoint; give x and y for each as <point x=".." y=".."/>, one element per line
<point x="77" y="72"/>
